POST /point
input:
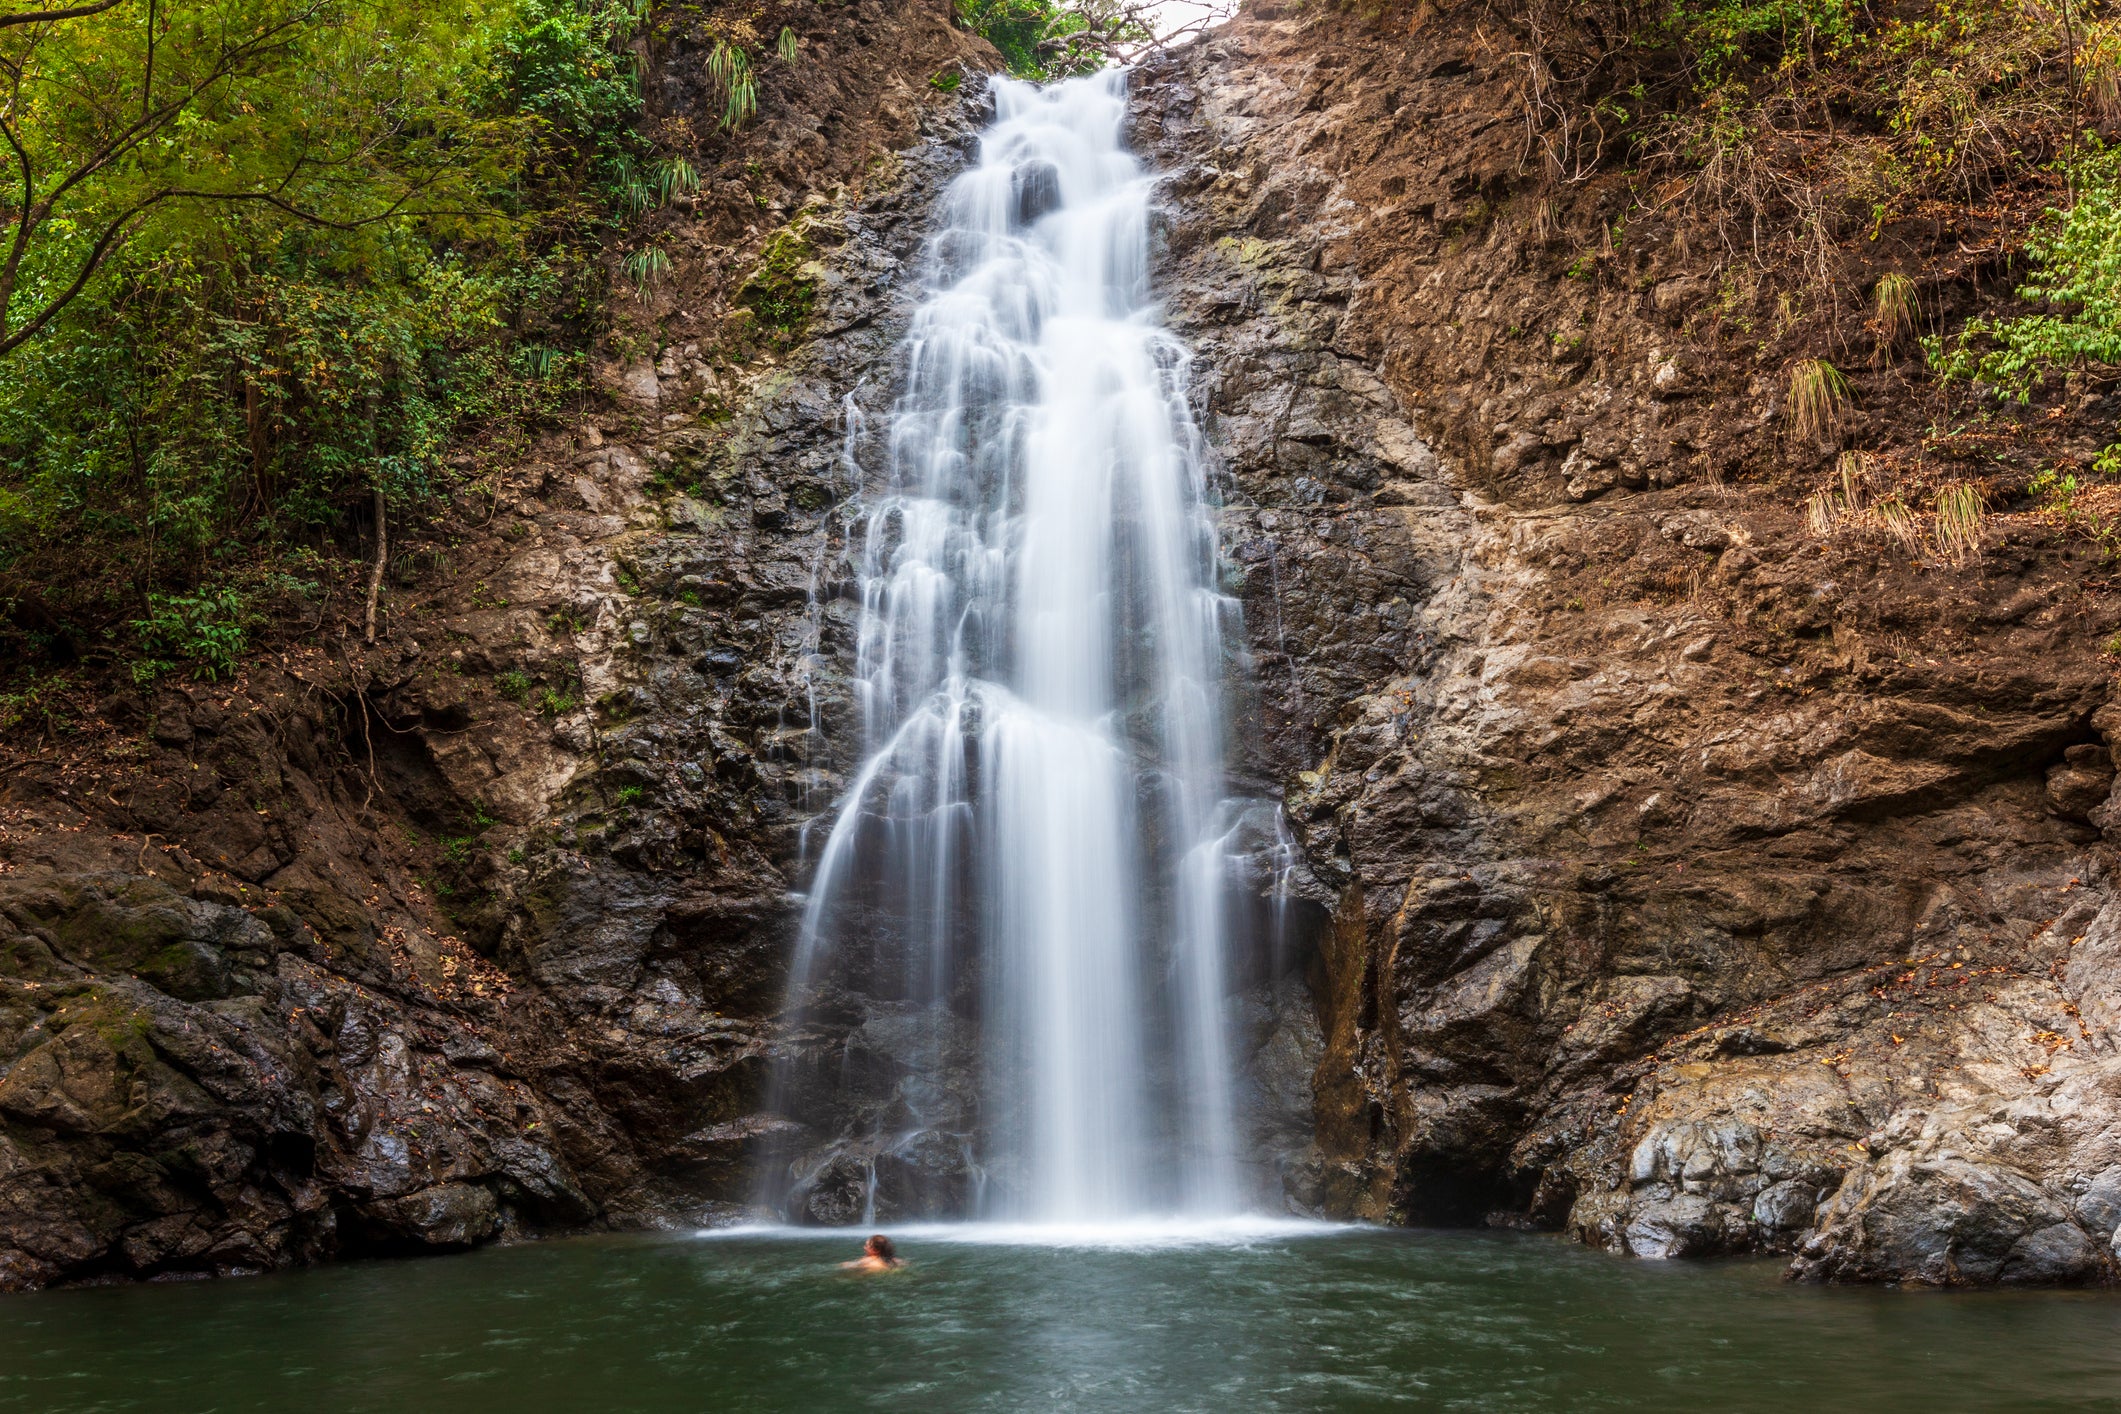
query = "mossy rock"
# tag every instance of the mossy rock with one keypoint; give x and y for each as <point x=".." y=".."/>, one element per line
<point x="781" y="292"/>
<point x="148" y="930"/>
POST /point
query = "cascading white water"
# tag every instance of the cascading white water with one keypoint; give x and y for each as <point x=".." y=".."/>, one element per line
<point x="1036" y="839"/>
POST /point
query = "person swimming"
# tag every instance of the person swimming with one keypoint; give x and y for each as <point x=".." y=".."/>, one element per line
<point x="878" y="1255"/>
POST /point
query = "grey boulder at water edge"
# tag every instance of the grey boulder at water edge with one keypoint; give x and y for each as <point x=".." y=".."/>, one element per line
<point x="1152" y="707"/>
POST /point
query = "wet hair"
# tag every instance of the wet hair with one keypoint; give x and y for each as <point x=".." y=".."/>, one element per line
<point x="880" y="1246"/>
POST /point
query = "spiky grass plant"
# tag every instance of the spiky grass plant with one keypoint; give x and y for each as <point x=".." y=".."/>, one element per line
<point x="729" y="69"/>
<point x="1898" y="523"/>
<point x="1894" y="310"/>
<point x="1819" y="399"/>
<point x="1960" y="512"/>
<point x="646" y="267"/>
<point x="634" y="188"/>
<point x="785" y="46"/>
<point x="674" y="177"/>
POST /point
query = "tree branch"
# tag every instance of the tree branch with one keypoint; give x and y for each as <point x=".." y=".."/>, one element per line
<point x="375" y="572"/>
<point x="39" y="17"/>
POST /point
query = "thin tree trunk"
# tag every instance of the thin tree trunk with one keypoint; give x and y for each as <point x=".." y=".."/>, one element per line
<point x="375" y="571"/>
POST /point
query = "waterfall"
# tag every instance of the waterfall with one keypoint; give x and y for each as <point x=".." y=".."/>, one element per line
<point x="1035" y="848"/>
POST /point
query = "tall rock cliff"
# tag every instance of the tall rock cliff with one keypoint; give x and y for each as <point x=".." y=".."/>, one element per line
<point x="1688" y="878"/>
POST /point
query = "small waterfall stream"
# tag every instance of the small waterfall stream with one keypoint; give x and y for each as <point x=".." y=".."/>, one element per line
<point x="1036" y="848"/>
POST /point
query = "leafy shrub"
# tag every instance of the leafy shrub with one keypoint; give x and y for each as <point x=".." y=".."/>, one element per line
<point x="1730" y="34"/>
<point x="1049" y="39"/>
<point x="37" y="700"/>
<point x="209" y="629"/>
<point x="2078" y="249"/>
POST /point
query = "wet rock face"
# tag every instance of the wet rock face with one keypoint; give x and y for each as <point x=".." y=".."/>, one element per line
<point x="189" y="1088"/>
<point x="1677" y="880"/>
<point x="882" y="1101"/>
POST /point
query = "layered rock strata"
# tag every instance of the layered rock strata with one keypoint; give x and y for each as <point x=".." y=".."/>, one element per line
<point x="1690" y="881"/>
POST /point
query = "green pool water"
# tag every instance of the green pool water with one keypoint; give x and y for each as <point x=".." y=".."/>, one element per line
<point x="1263" y="1319"/>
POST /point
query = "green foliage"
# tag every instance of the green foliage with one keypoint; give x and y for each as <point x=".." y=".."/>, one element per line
<point x="2078" y="250"/>
<point x="786" y="45"/>
<point x="729" y="69"/>
<point x="2056" y="491"/>
<point x="513" y="685"/>
<point x="1049" y="39"/>
<point x="1809" y="121"/>
<point x="628" y="794"/>
<point x="563" y="63"/>
<point x="552" y="703"/>
<point x="1728" y="35"/>
<point x="238" y="375"/>
<point x="209" y="630"/>
<point x="38" y="700"/>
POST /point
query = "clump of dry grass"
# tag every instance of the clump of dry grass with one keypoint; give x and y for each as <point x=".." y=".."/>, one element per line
<point x="1960" y="512"/>
<point x="1819" y="400"/>
<point x="1821" y="515"/>
<point x="1853" y="468"/>
<point x="1894" y="311"/>
<point x="1898" y="523"/>
<point x="1851" y="505"/>
<point x="1829" y="510"/>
